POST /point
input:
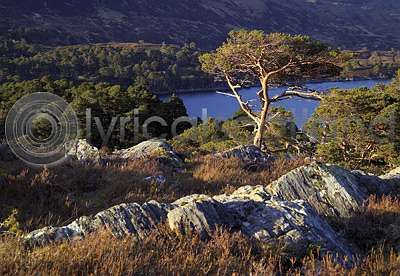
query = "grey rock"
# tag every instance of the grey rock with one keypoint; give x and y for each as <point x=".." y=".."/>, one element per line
<point x="292" y="224"/>
<point x="199" y="214"/>
<point x="158" y="179"/>
<point x="250" y="210"/>
<point x="375" y="185"/>
<point x="83" y="151"/>
<point x="248" y="153"/>
<point x="392" y="180"/>
<point x="392" y="175"/>
<point x="158" y="149"/>
<point x="125" y="219"/>
<point x="329" y="189"/>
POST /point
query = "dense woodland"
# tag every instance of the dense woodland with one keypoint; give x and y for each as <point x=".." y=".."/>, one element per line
<point x="160" y="68"/>
<point x="105" y="102"/>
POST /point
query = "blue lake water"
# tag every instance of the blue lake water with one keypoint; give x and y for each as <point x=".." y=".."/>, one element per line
<point x="223" y="107"/>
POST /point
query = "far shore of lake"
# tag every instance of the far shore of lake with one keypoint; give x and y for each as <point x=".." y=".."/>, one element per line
<point x="225" y="88"/>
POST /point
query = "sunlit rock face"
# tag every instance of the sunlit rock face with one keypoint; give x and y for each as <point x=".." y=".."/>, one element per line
<point x="83" y="151"/>
<point x="155" y="149"/>
<point x="294" y="225"/>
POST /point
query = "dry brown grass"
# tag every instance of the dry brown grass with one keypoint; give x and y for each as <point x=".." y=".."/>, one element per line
<point x="164" y="253"/>
<point x="230" y="174"/>
<point x="378" y="224"/>
<point x="160" y="253"/>
<point x="58" y="195"/>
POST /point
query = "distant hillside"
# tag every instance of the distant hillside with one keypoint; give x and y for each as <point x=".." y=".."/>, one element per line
<point x="374" y="24"/>
<point x="372" y="64"/>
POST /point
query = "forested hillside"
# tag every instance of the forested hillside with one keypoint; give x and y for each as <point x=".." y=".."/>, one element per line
<point x="346" y="23"/>
<point x="160" y="68"/>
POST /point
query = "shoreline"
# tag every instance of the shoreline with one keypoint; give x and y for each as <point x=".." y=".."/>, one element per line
<point x="225" y="89"/>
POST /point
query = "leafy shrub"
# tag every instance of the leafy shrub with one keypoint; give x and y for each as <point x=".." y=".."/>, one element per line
<point x="218" y="146"/>
<point x="195" y="137"/>
<point x="281" y="135"/>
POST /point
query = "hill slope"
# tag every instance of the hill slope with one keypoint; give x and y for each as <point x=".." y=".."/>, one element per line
<point x="346" y="23"/>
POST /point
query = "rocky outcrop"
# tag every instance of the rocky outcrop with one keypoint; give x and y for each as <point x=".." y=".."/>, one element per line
<point x="393" y="175"/>
<point x="251" y="210"/>
<point x="158" y="179"/>
<point x="83" y="151"/>
<point x="125" y="219"/>
<point x="291" y="211"/>
<point x="329" y="189"/>
<point x="158" y="149"/>
<point x="392" y="180"/>
<point x="249" y="153"/>
<point x="252" y="157"/>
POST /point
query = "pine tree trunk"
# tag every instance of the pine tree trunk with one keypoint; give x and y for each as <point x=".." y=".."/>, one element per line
<point x="258" y="139"/>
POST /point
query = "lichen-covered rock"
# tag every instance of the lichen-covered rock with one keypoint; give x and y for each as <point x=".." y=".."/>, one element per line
<point x="154" y="148"/>
<point x="251" y="210"/>
<point x="83" y="151"/>
<point x="394" y="174"/>
<point x="374" y="185"/>
<point x="199" y="214"/>
<point x="125" y="219"/>
<point x="329" y="189"/>
<point x="248" y="153"/>
<point x="158" y="179"/>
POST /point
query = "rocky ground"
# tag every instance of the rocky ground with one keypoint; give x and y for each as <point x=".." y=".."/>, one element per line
<point x="297" y="211"/>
